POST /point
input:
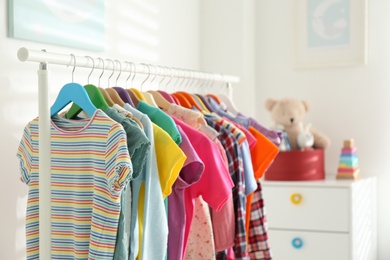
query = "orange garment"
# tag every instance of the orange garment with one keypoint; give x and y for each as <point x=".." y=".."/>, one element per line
<point x="262" y="153"/>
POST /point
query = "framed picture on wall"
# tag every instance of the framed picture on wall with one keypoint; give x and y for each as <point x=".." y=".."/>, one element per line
<point x="74" y="23"/>
<point x="330" y="33"/>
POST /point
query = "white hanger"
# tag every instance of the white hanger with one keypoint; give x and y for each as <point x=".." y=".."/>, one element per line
<point x="230" y="106"/>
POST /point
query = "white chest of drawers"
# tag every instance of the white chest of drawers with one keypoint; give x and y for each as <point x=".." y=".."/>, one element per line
<point x="322" y="220"/>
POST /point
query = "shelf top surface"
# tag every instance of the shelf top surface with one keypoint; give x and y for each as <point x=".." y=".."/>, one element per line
<point x="329" y="181"/>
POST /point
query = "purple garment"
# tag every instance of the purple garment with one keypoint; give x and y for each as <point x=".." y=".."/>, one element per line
<point x="273" y="136"/>
<point x="167" y="96"/>
<point x="124" y="95"/>
<point x="190" y="173"/>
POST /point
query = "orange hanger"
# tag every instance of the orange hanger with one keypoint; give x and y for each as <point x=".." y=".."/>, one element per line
<point x="182" y="99"/>
<point x="215" y="98"/>
<point x="176" y="100"/>
<point x="191" y="100"/>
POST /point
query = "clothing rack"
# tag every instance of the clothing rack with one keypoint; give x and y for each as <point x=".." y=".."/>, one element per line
<point x="44" y="58"/>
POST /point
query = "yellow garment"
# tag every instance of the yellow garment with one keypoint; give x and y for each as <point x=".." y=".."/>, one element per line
<point x="170" y="160"/>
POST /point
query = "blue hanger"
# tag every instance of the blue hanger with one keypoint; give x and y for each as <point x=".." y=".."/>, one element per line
<point x="73" y="92"/>
<point x="94" y="95"/>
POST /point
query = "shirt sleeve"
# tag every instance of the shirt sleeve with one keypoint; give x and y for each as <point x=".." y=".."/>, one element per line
<point x="25" y="154"/>
<point x="119" y="168"/>
<point x="170" y="159"/>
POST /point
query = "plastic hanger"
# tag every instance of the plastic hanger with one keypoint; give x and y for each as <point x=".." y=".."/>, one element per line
<point x="188" y="97"/>
<point x="134" y="93"/>
<point x="111" y="92"/>
<point x="106" y="96"/>
<point x="199" y="101"/>
<point x="161" y="102"/>
<point x="94" y="94"/>
<point x="190" y="100"/>
<point x="182" y="99"/>
<point x="166" y="96"/>
<point x="148" y="97"/>
<point x="230" y="106"/>
<point x="73" y="92"/>
<point x="121" y="91"/>
<point x="124" y="95"/>
<point x="179" y="96"/>
<point x="205" y="102"/>
<point x="134" y="98"/>
<point x="206" y="86"/>
<point x="214" y="97"/>
<point x="115" y="96"/>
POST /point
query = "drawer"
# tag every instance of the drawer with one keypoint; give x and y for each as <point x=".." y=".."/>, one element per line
<point x="307" y="208"/>
<point x="292" y="245"/>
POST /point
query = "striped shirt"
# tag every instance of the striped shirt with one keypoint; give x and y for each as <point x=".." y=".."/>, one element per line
<point x="90" y="165"/>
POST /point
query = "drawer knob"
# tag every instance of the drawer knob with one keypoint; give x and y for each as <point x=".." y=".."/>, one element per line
<point x="297" y="243"/>
<point x="296" y="198"/>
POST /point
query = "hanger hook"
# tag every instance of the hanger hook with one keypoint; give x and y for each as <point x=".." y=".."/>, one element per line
<point x="196" y="81"/>
<point x="93" y="67"/>
<point x="184" y="78"/>
<point x="223" y="83"/>
<point x="135" y="72"/>
<point x="178" y="78"/>
<point x="120" y="71"/>
<point x="194" y="78"/>
<point x="170" y="79"/>
<point x="113" y="71"/>
<point x="126" y="62"/>
<point x="159" y="84"/>
<point x="189" y="79"/>
<point x="213" y="78"/>
<point x="210" y="81"/>
<point x="100" y="59"/>
<point x="155" y="75"/>
<point x="147" y="76"/>
<point x="74" y="65"/>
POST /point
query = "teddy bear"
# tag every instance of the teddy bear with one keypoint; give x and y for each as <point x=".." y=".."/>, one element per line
<point x="288" y="115"/>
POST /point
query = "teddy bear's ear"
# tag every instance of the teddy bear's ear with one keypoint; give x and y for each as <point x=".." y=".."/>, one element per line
<point x="306" y="105"/>
<point x="270" y="103"/>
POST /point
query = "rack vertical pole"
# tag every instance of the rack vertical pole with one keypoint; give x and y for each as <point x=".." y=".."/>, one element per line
<point x="44" y="164"/>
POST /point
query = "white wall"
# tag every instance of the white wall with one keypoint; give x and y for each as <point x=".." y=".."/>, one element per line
<point x="227" y="44"/>
<point x="347" y="102"/>
<point x="171" y="28"/>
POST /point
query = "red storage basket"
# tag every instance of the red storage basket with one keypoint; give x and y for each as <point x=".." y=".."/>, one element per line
<point x="297" y="165"/>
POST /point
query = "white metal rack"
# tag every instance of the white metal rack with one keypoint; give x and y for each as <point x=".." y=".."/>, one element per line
<point x="44" y="58"/>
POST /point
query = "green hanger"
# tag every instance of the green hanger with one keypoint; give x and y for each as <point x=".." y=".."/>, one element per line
<point x="94" y="94"/>
<point x="96" y="97"/>
<point x="73" y="92"/>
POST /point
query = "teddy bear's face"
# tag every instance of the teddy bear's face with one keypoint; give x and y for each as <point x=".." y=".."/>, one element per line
<point x="288" y="112"/>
